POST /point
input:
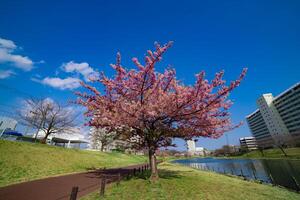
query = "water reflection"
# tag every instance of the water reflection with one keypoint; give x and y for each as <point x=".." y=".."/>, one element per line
<point x="279" y="172"/>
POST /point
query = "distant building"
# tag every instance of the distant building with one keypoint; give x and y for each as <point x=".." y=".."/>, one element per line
<point x="7" y="124"/>
<point x="191" y="146"/>
<point x="201" y="151"/>
<point x="248" y="143"/>
<point x="193" y="150"/>
<point x="69" y="138"/>
<point x="277" y="119"/>
<point x="227" y="150"/>
<point x="114" y="144"/>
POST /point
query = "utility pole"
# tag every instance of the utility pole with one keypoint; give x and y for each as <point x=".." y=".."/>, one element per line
<point x="227" y="139"/>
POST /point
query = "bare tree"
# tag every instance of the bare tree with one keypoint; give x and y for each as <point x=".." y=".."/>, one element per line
<point x="282" y="142"/>
<point x="47" y="115"/>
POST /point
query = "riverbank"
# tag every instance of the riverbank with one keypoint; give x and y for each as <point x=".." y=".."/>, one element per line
<point x="292" y="153"/>
<point x="179" y="182"/>
<point x="23" y="161"/>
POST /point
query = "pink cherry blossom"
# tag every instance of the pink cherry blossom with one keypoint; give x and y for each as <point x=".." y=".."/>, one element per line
<point x="155" y="107"/>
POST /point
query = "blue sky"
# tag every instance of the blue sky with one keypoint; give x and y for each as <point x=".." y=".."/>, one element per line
<point x="50" y="38"/>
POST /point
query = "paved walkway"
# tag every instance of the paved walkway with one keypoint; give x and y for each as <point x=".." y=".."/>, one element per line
<point x="59" y="188"/>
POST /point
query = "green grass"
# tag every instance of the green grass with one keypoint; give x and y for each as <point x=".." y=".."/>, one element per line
<point x="22" y="161"/>
<point x="293" y="153"/>
<point x="178" y="182"/>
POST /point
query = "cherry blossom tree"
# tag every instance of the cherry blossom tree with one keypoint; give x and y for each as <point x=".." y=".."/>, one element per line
<point x="150" y="108"/>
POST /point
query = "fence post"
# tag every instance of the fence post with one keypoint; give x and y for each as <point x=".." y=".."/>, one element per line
<point x="128" y="175"/>
<point x="134" y="171"/>
<point x="119" y="178"/>
<point x="102" y="186"/>
<point x="74" y="193"/>
<point x="296" y="183"/>
<point x="254" y="174"/>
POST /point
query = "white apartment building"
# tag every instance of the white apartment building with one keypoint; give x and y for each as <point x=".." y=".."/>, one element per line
<point x="277" y="119"/>
<point x="248" y="143"/>
<point x="191" y="146"/>
<point x="193" y="150"/>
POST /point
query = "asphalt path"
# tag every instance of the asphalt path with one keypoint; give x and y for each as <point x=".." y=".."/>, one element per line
<point x="60" y="187"/>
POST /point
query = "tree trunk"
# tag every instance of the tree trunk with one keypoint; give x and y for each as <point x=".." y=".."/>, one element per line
<point x="281" y="148"/>
<point x="43" y="141"/>
<point x="102" y="148"/>
<point x="153" y="166"/>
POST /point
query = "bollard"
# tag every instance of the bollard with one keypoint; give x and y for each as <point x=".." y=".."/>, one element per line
<point x="102" y="186"/>
<point x="128" y="176"/>
<point x="74" y="193"/>
<point x="244" y="177"/>
<point x="296" y="183"/>
<point x="254" y="175"/>
<point x="119" y="178"/>
<point x="272" y="180"/>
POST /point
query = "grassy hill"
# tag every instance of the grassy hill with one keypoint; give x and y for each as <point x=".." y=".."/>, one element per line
<point x="22" y="161"/>
<point x="178" y="182"/>
<point x="293" y="153"/>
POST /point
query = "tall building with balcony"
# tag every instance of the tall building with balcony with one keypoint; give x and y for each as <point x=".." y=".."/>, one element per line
<point x="248" y="143"/>
<point x="277" y="119"/>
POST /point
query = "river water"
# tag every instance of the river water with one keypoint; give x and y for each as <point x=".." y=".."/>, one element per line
<point x="281" y="172"/>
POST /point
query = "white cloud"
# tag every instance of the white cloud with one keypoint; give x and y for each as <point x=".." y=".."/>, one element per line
<point x="31" y="105"/>
<point x="8" y="44"/>
<point x="6" y="73"/>
<point x="82" y="68"/>
<point x="67" y="83"/>
<point x="7" y="48"/>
